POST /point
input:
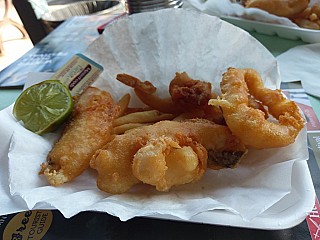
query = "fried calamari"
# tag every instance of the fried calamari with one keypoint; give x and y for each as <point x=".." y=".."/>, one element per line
<point x="249" y="124"/>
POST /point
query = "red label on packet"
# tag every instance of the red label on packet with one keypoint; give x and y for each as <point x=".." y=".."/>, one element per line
<point x="313" y="123"/>
<point x="313" y="220"/>
<point x="78" y="73"/>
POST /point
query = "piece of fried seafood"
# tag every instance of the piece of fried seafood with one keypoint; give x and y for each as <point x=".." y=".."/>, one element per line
<point x="147" y="96"/>
<point x="88" y="129"/>
<point x="165" y="162"/>
<point x="165" y="154"/>
<point x="282" y="8"/>
<point x="193" y="96"/>
<point x="188" y="97"/>
<point x="250" y="124"/>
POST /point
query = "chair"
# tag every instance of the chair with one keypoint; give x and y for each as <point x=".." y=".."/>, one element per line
<point x="8" y="21"/>
<point x="27" y="15"/>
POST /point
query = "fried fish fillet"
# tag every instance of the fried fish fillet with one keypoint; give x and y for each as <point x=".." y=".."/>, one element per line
<point x="282" y="8"/>
<point x="165" y="154"/>
<point x="89" y="129"/>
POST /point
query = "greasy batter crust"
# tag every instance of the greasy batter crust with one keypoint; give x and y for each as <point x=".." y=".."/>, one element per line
<point x="89" y="129"/>
<point x="282" y="8"/>
<point x="192" y="97"/>
<point x="165" y="162"/>
<point x="190" y="93"/>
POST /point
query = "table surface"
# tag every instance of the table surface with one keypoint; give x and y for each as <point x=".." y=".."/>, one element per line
<point x="90" y="225"/>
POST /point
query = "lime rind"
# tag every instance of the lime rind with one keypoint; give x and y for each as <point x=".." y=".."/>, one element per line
<point x="44" y="106"/>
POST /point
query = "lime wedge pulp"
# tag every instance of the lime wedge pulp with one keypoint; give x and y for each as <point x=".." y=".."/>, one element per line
<point x="43" y="106"/>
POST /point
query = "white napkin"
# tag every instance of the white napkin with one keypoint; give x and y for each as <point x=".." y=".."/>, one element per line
<point x="8" y="204"/>
<point x="302" y="63"/>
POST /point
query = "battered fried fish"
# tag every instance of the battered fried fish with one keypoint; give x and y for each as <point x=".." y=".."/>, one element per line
<point x="165" y="154"/>
<point x="282" y="8"/>
<point x="89" y="129"/>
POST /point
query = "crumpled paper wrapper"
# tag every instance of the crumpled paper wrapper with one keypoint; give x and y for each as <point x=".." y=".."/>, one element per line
<point x="154" y="46"/>
<point x="232" y="8"/>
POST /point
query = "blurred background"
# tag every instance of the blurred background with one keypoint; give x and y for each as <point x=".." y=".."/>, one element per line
<point x="23" y="23"/>
<point x="14" y="45"/>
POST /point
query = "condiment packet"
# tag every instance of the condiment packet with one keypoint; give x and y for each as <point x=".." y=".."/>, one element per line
<point x="78" y="73"/>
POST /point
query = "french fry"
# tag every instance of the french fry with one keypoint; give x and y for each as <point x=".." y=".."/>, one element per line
<point x="145" y="90"/>
<point x="137" y="109"/>
<point x="123" y="104"/>
<point x="125" y="127"/>
<point x="182" y="116"/>
<point x="163" y="105"/>
<point x="142" y="117"/>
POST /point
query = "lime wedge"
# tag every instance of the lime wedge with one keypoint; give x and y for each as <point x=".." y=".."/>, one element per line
<point x="44" y="106"/>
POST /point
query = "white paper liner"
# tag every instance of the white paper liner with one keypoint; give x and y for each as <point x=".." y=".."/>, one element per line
<point x="157" y="45"/>
<point x="154" y="50"/>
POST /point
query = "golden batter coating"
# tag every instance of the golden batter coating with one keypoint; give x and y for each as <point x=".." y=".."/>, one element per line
<point x="89" y="128"/>
<point x="282" y="8"/>
<point x="249" y="124"/>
